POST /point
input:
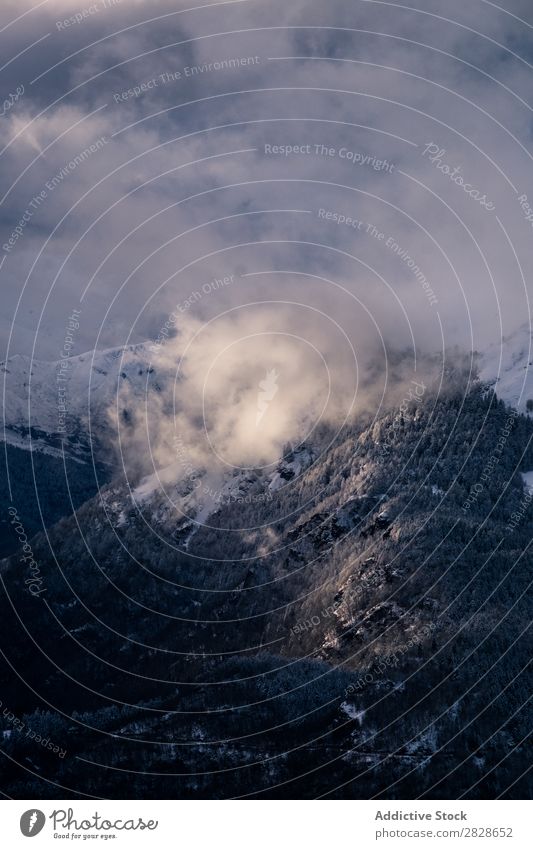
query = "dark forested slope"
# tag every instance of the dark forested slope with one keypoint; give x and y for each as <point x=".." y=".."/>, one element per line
<point x="361" y="632"/>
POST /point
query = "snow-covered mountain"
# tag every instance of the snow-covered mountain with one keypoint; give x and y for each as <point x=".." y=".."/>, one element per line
<point x="184" y="504"/>
<point x="94" y="381"/>
<point x="48" y="407"/>
<point x="507" y="366"/>
<point x="350" y="603"/>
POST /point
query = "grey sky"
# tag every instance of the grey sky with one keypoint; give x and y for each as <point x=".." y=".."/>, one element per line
<point x="181" y="190"/>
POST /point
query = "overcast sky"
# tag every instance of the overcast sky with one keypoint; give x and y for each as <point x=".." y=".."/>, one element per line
<point x="147" y="132"/>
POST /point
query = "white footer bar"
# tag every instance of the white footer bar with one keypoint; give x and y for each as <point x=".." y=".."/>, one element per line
<point x="267" y="824"/>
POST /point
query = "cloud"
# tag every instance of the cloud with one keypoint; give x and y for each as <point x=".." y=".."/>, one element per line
<point x="184" y="191"/>
<point x="239" y="387"/>
<point x="228" y="394"/>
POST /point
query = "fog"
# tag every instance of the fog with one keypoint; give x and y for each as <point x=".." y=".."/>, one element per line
<point x="358" y="187"/>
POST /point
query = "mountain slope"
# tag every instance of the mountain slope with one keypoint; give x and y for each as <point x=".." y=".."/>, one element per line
<point x="364" y="609"/>
<point x="507" y="367"/>
<point x="93" y="381"/>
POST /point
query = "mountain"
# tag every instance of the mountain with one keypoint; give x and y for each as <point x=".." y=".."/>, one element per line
<point x="55" y="454"/>
<point x="97" y="381"/>
<point x="507" y="367"/>
<point x="92" y="381"/>
<point x="43" y="488"/>
<point x="351" y="623"/>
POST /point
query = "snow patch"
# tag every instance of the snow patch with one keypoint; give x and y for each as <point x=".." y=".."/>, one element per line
<point x="527" y="477"/>
<point x="351" y="711"/>
<point x="508" y="367"/>
<point x="290" y="468"/>
<point x="94" y="380"/>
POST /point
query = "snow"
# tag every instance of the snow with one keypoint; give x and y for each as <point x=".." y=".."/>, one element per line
<point x="154" y="483"/>
<point x="288" y="471"/>
<point x="172" y="501"/>
<point x="93" y="381"/>
<point x="351" y="711"/>
<point x="96" y="378"/>
<point x="427" y="741"/>
<point x="527" y="477"/>
<point x="164" y="490"/>
<point x="507" y="366"/>
<point x="36" y="443"/>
